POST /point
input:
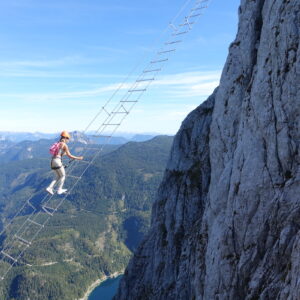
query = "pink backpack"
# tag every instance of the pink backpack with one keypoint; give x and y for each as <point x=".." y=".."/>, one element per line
<point x="54" y="149"/>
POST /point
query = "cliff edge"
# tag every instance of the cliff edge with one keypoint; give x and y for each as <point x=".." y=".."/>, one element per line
<point x="226" y="221"/>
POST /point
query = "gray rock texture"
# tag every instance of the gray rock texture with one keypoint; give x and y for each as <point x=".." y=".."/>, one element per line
<point x="226" y="221"/>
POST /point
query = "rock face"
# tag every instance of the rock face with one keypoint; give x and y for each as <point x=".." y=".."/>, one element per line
<point x="226" y="221"/>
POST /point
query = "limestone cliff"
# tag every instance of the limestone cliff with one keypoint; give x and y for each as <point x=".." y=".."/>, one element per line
<point x="226" y="221"/>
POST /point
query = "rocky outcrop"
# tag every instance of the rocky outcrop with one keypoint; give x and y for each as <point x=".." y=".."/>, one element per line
<point x="226" y="221"/>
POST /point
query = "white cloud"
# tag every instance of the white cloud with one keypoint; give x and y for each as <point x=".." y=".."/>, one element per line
<point x="188" y="78"/>
<point x="190" y="84"/>
<point x="53" y="68"/>
<point x="173" y="97"/>
<point x="165" y="120"/>
<point x="181" y="85"/>
<point x="57" y="75"/>
<point x="46" y="63"/>
<point x="37" y="97"/>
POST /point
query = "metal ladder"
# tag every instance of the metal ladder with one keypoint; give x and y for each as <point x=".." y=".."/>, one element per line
<point x="27" y="223"/>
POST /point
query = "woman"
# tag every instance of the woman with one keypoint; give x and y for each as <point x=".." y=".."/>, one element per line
<point x="56" y="163"/>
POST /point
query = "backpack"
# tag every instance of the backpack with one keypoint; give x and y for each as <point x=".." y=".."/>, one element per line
<point x="54" y="149"/>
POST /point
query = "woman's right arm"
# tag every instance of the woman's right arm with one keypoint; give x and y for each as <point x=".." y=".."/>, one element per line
<point x="68" y="153"/>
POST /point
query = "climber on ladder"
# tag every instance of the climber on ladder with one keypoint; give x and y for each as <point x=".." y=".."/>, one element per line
<point x="58" y="150"/>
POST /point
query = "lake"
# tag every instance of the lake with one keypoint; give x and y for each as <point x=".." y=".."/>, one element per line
<point x="106" y="290"/>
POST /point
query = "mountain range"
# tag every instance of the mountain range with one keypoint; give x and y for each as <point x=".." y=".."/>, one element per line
<point x="17" y="137"/>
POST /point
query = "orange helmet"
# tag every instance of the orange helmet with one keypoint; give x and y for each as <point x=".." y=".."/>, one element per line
<point x="65" y="134"/>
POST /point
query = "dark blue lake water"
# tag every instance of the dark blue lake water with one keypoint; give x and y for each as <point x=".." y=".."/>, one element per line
<point x="106" y="290"/>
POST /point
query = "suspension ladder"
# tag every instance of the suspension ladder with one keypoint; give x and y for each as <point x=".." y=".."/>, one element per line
<point x="27" y="223"/>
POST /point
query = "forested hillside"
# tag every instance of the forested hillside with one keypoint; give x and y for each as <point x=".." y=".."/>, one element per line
<point x="95" y="230"/>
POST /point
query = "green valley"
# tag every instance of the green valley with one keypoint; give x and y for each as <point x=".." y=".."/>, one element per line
<point x="96" y="229"/>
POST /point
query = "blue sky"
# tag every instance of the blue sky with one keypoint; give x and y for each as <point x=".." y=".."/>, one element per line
<point x="60" y="60"/>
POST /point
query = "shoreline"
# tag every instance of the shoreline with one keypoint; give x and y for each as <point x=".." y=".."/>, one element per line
<point x="98" y="282"/>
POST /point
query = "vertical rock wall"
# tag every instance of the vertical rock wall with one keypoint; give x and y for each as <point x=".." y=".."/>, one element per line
<point x="226" y="221"/>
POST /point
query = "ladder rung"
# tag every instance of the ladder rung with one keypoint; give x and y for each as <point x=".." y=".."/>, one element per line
<point x="84" y="161"/>
<point x="76" y="177"/>
<point x="166" y="51"/>
<point x="7" y="255"/>
<point x="129" y="101"/>
<point x="48" y="210"/>
<point x="35" y="223"/>
<point x="194" y="16"/>
<point x="146" y="79"/>
<point x="124" y="110"/>
<point x="158" y="61"/>
<point x="138" y="90"/>
<point x="187" y="24"/>
<point x="173" y="42"/>
<point x="179" y="33"/>
<point x="199" y="8"/>
<point x="101" y="136"/>
<point x="23" y="240"/>
<point x="153" y="70"/>
<point x="106" y="124"/>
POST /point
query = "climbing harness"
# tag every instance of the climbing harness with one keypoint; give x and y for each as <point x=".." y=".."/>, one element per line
<point x="27" y="223"/>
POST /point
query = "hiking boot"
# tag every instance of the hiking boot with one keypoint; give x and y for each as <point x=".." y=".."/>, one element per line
<point x="50" y="190"/>
<point x="61" y="191"/>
